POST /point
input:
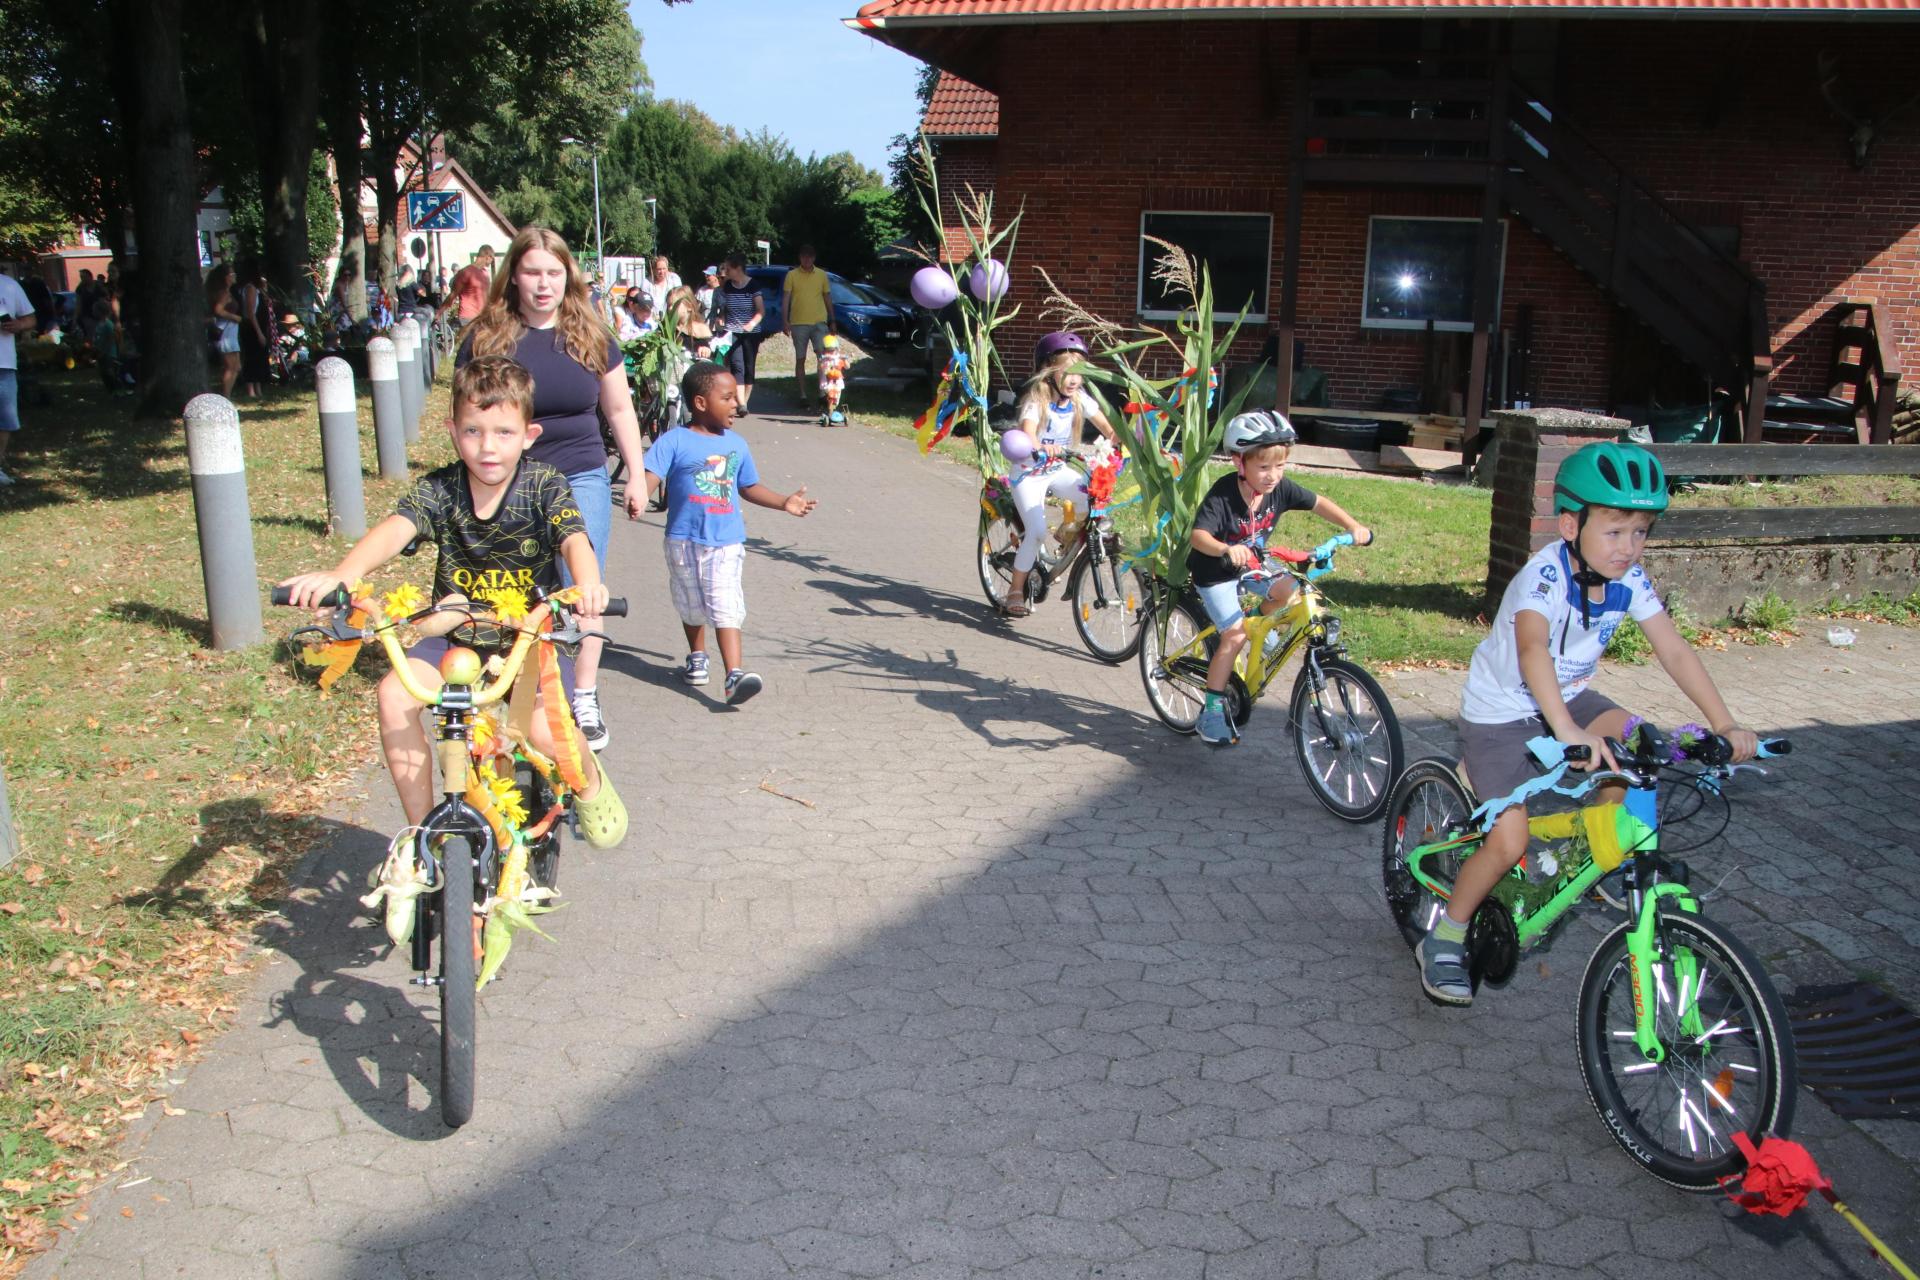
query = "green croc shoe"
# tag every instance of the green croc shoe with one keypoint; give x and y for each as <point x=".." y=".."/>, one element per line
<point x="603" y="819"/>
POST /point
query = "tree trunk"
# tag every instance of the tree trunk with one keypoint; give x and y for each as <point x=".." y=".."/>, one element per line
<point x="386" y="197"/>
<point x="280" y="41"/>
<point x="152" y="100"/>
<point x="343" y="128"/>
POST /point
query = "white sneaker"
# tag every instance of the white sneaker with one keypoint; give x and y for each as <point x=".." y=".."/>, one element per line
<point x="586" y="714"/>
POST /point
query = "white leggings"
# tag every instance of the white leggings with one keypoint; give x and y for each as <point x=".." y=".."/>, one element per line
<point x="1030" y="493"/>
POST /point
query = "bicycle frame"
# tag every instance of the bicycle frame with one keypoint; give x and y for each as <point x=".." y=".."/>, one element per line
<point x="1255" y="669"/>
<point x="1645" y="896"/>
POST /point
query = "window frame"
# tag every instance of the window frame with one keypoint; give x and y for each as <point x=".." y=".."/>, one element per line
<point x="1142" y="273"/>
<point x="1440" y="326"/>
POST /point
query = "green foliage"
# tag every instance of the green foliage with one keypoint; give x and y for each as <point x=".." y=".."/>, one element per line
<point x="249" y="217"/>
<point x="1768" y="613"/>
<point x="1629" y="644"/>
<point x="1879" y="606"/>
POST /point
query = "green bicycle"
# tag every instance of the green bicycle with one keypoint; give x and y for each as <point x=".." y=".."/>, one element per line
<point x="1344" y="729"/>
<point x="1682" y="1038"/>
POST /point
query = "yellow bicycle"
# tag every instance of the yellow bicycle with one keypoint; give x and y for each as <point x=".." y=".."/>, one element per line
<point x="1344" y="729"/>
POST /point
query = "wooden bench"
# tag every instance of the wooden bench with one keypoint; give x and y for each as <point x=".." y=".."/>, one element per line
<point x="1701" y="524"/>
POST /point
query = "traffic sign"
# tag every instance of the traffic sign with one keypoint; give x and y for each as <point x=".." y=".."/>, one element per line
<point x="436" y="211"/>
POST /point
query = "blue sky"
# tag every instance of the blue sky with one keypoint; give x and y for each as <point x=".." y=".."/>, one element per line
<point x="792" y="68"/>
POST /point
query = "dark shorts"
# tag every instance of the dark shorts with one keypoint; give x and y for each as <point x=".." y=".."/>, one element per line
<point x="1495" y="755"/>
<point x="741" y="356"/>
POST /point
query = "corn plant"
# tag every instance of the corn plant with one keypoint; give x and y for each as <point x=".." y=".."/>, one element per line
<point x="965" y="388"/>
<point x="1176" y="421"/>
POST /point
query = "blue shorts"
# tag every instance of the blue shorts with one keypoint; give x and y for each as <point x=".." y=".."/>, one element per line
<point x="9" y="400"/>
<point x="1222" y="603"/>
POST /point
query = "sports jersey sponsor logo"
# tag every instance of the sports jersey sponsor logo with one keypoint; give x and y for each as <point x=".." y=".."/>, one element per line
<point x="563" y="515"/>
<point x="479" y="582"/>
<point x="528" y="547"/>
<point x="1549" y="573"/>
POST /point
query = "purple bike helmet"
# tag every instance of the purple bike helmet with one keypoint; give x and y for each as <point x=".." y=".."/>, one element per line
<point x="1053" y="344"/>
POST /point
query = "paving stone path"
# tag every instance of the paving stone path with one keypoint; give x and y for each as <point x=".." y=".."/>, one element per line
<point x="1027" y="987"/>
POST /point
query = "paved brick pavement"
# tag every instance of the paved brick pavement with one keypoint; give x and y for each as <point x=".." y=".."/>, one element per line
<point x="1033" y="989"/>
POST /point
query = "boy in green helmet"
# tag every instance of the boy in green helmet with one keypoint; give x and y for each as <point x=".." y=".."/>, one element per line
<point x="1532" y="673"/>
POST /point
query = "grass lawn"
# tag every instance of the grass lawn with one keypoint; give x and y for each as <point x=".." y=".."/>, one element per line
<point x="162" y="790"/>
<point x="1803" y="491"/>
<point x="1416" y="596"/>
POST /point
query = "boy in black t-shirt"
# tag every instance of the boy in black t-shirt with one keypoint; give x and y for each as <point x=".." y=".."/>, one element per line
<point x="502" y="524"/>
<point x="1230" y="531"/>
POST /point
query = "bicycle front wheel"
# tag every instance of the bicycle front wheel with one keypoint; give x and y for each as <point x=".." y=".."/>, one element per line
<point x="1109" y="605"/>
<point x="1729" y="1061"/>
<point x="1176" y="687"/>
<point x="995" y="554"/>
<point x="458" y="977"/>
<point x="1428" y="806"/>
<point x="1347" y="738"/>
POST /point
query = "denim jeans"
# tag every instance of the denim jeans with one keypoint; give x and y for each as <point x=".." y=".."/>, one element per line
<point x="593" y="495"/>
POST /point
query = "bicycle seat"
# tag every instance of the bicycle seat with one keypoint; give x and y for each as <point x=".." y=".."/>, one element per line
<point x="1289" y="555"/>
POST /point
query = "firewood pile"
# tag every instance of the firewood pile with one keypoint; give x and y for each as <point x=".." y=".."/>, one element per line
<point x="1906" y="417"/>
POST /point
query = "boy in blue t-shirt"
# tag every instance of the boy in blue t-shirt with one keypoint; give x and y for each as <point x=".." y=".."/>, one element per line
<point x="706" y="468"/>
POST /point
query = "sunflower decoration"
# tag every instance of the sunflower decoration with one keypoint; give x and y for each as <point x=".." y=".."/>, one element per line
<point x="403" y="600"/>
<point x="509" y="604"/>
<point x="507" y="800"/>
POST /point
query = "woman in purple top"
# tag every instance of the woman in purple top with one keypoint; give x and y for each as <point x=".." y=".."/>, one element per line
<point x="538" y="313"/>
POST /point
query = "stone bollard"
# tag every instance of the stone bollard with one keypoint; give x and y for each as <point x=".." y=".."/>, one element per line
<point x="219" y="470"/>
<point x="389" y="429"/>
<point x="340" y="447"/>
<point x="406" y="349"/>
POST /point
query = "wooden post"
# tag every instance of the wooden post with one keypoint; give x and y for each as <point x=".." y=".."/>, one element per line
<point x="1290" y="251"/>
<point x="1760" y="370"/>
<point x="9" y="840"/>
<point x="1486" y="265"/>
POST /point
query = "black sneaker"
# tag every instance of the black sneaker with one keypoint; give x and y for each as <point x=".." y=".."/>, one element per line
<point x="586" y="714"/>
<point x="742" y="685"/>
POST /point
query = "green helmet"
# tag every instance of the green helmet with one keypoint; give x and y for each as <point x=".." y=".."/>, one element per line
<point x="1610" y="474"/>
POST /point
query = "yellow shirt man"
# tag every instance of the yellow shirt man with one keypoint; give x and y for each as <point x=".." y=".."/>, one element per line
<point x="806" y="314"/>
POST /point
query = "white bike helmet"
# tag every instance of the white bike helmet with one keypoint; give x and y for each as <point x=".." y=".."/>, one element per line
<point x="1256" y="429"/>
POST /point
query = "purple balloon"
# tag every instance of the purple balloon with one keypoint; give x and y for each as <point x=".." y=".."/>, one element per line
<point x="1017" y="446"/>
<point x="934" y="287"/>
<point x="988" y="282"/>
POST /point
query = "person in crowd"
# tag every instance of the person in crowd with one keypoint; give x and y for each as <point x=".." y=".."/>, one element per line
<point x="690" y="323"/>
<point x="709" y="281"/>
<point x="110" y="351"/>
<point x="408" y="289"/>
<point x="635" y="316"/>
<point x="42" y="299"/>
<point x="256" y="327"/>
<point x="806" y="315"/>
<point x="469" y="290"/>
<point x="223" y="309"/>
<point x="740" y="310"/>
<point x="660" y="282"/>
<point x="706" y="470"/>
<point x="538" y="313"/>
<point x="16" y="317"/>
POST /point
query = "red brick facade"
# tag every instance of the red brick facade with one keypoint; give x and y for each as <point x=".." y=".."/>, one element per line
<point x="1099" y="122"/>
<point x="964" y="163"/>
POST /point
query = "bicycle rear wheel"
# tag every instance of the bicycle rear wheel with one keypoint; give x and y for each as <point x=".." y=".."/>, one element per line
<point x="1676" y="1117"/>
<point x="1177" y="690"/>
<point x="457" y="981"/>
<point x="995" y="555"/>
<point x="1427" y="806"/>
<point x="1109" y="603"/>
<point x="1347" y="738"/>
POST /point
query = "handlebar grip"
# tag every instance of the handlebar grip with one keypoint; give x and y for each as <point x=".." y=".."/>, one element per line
<point x="1775" y="747"/>
<point x="616" y="608"/>
<point x="1579" y="755"/>
<point x="336" y="599"/>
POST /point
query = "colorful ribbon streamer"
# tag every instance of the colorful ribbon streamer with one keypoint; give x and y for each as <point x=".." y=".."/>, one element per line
<point x="953" y="400"/>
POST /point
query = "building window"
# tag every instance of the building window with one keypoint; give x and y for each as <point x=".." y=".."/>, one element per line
<point x="1237" y="249"/>
<point x="1421" y="269"/>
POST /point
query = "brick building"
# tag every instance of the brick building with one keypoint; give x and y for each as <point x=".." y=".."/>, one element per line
<point x="1584" y="204"/>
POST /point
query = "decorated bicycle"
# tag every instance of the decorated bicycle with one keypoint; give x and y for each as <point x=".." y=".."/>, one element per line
<point x="484" y="861"/>
<point x="1684" y="1044"/>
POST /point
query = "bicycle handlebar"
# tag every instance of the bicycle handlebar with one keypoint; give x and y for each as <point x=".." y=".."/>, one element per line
<point x="616" y="605"/>
<point x="1712" y="750"/>
<point x="386" y="630"/>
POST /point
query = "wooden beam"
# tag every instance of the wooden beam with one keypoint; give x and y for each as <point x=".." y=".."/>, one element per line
<point x="1486" y="268"/>
<point x="1394" y="171"/>
<point x="1397" y="129"/>
<point x="1699" y="524"/>
<point x="1786" y="460"/>
<point x="1290" y="250"/>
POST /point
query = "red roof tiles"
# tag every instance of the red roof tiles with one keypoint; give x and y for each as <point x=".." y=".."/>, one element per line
<point x="881" y="13"/>
<point x="961" y="109"/>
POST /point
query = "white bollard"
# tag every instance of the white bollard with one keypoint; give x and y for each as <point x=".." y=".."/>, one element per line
<point x="406" y="349"/>
<point x="340" y="447"/>
<point x="219" y="469"/>
<point x="429" y="367"/>
<point x="389" y="427"/>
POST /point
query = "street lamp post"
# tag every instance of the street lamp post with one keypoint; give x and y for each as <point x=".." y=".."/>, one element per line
<point x="599" y="245"/>
<point x="653" y="221"/>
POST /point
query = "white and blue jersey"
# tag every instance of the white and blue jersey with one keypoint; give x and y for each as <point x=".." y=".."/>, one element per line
<point x="1496" y="693"/>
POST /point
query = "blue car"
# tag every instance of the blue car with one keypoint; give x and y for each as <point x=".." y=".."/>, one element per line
<point x="865" y="314"/>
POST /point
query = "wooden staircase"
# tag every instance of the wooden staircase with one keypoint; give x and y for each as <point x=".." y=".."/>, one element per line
<point x="1495" y="134"/>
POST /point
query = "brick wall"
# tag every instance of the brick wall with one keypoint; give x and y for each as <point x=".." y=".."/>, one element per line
<point x="1724" y="119"/>
<point x="1529" y="447"/>
<point x="962" y="163"/>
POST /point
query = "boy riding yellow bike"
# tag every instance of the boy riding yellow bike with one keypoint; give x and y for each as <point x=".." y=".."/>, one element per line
<point x="502" y="524"/>
<point x="1230" y="528"/>
<point x="1536" y="667"/>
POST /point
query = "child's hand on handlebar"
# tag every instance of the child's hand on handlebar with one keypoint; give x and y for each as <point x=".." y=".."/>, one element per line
<point x="1362" y="536"/>
<point x="308" y="589"/>
<point x="1242" y="556"/>
<point x="1745" y="742"/>
<point x="592" y="602"/>
<point x="1599" y="755"/>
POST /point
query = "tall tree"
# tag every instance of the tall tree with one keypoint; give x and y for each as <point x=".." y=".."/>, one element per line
<point x="280" y="66"/>
<point x="151" y="95"/>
